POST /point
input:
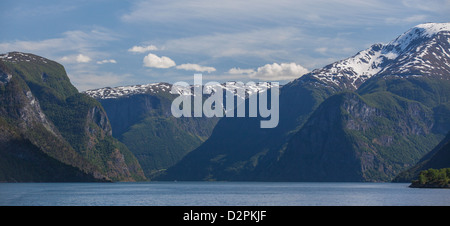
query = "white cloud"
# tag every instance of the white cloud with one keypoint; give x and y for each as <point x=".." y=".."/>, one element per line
<point x="83" y="59"/>
<point x="80" y="58"/>
<point x="272" y="72"/>
<point x="238" y="71"/>
<point x="152" y="60"/>
<point x="142" y="49"/>
<point x="196" y="67"/>
<point x="283" y="71"/>
<point x="106" y="61"/>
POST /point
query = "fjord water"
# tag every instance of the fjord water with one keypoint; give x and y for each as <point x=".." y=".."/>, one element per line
<point x="219" y="194"/>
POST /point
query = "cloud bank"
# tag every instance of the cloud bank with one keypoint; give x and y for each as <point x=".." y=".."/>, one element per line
<point x="152" y="60"/>
<point x="142" y="49"/>
<point x="272" y="72"/>
<point x="80" y="58"/>
<point x="195" y="67"/>
<point x="107" y="61"/>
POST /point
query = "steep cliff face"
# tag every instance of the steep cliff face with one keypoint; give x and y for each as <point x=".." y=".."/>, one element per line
<point x="100" y="148"/>
<point x="41" y="105"/>
<point x="354" y="138"/>
<point x="32" y="148"/>
<point x="141" y="118"/>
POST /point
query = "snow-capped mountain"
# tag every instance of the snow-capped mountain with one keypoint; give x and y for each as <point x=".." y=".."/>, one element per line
<point x="116" y="92"/>
<point x="155" y="88"/>
<point x="422" y="51"/>
<point x="424" y="48"/>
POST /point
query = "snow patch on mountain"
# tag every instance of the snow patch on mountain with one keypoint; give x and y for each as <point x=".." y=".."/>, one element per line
<point x="431" y="29"/>
<point x="155" y="88"/>
<point x="16" y="57"/>
<point x="417" y="33"/>
<point x="412" y="49"/>
<point x="355" y="70"/>
<point x="116" y="92"/>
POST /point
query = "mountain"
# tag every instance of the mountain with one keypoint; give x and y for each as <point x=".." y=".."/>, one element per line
<point x="236" y="144"/>
<point x="51" y="132"/>
<point x="358" y="138"/>
<point x="389" y="122"/>
<point x="364" y="118"/>
<point x="141" y="118"/>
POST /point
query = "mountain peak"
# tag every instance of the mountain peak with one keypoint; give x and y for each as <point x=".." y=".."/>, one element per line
<point x="417" y="33"/>
<point x="423" y="51"/>
<point x="425" y="43"/>
<point x="433" y="28"/>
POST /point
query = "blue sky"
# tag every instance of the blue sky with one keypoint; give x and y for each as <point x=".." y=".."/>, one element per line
<point x="112" y="43"/>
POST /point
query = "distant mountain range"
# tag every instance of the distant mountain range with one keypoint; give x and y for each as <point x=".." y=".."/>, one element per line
<point x="370" y="117"/>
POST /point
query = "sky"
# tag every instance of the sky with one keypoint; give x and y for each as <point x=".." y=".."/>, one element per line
<point x="113" y="43"/>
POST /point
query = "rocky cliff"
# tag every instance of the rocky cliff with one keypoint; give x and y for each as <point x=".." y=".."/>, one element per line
<point x="41" y="108"/>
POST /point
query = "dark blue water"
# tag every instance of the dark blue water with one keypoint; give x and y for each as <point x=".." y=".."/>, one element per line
<point x="219" y="194"/>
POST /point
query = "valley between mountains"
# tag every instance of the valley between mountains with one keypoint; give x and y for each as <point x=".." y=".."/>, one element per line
<point x="380" y="115"/>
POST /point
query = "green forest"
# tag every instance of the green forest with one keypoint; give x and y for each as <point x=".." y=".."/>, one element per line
<point x="439" y="178"/>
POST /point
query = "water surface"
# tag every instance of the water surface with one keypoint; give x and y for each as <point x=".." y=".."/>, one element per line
<point x="220" y="194"/>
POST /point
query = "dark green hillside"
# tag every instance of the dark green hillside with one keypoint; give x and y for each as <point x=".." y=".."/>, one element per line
<point x="426" y="90"/>
<point x="144" y="123"/>
<point x="21" y="160"/>
<point x="44" y="73"/>
<point x="160" y="142"/>
<point x="358" y="138"/>
<point x="239" y="149"/>
<point x="40" y="101"/>
<point x="27" y="134"/>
